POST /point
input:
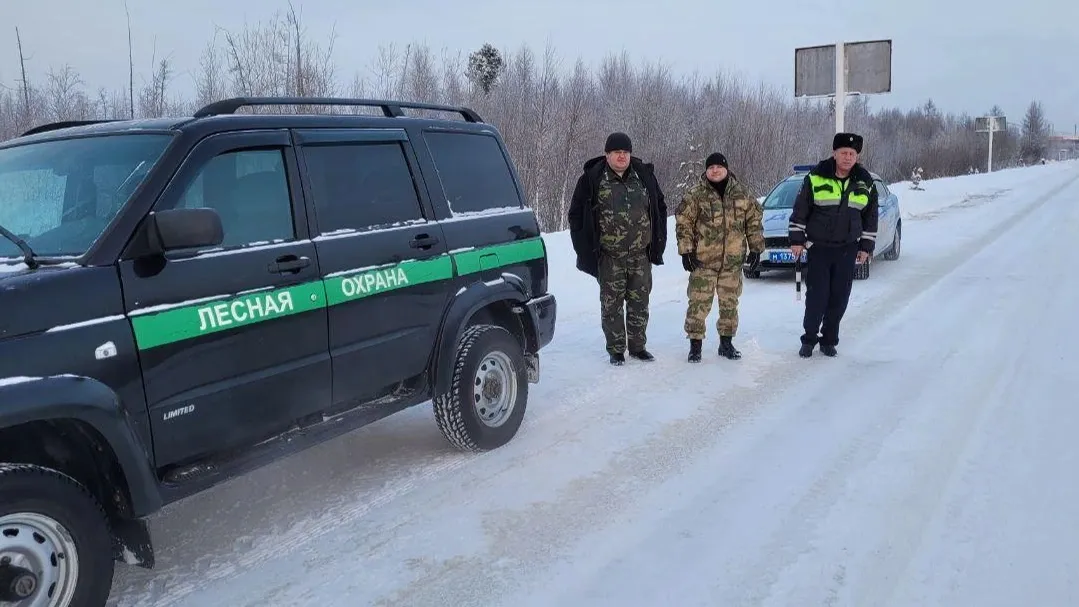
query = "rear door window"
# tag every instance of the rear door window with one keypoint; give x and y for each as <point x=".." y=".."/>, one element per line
<point x="361" y="185"/>
<point x="475" y="174"/>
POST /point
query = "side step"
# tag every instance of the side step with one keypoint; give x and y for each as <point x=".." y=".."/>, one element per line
<point x="187" y="479"/>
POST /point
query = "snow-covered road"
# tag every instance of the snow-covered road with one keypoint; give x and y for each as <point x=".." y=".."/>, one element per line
<point x="929" y="464"/>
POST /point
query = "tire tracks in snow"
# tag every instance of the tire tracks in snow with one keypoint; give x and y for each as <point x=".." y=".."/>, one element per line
<point x="962" y="421"/>
<point x="584" y="504"/>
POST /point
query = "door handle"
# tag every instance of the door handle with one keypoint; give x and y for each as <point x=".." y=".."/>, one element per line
<point x="288" y="264"/>
<point x="423" y="241"/>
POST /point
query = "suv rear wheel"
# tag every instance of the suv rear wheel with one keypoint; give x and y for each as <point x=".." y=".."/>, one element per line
<point x="55" y="547"/>
<point x="486" y="402"/>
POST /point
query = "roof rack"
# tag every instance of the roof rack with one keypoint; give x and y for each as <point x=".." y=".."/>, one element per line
<point x="391" y="109"/>
<point x="55" y="126"/>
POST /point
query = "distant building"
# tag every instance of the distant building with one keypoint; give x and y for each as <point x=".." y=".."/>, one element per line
<point x="1063" y="147"/>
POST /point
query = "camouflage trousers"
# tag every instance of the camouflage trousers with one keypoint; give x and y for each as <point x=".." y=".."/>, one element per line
<point x="704" y="285"/>
<point x="624" y="282"/>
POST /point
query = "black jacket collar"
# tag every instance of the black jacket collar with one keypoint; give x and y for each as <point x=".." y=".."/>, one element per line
<point x="826" y="168"/>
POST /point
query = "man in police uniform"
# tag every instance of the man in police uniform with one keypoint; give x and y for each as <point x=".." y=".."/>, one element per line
<point x="835" y="222"/>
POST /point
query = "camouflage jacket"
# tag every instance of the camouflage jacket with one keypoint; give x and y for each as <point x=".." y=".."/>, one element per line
<point x="623" y="208"/>
<point x="718" y="229"/>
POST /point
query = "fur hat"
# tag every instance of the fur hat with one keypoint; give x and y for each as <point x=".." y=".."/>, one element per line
<point x="847" y="140"/>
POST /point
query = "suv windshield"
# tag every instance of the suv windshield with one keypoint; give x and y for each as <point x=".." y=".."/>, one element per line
<point x="782" y="197"/>
<point x="59" y="196"/>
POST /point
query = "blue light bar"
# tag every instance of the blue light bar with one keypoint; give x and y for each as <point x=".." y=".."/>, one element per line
<point x="803" y="168"/>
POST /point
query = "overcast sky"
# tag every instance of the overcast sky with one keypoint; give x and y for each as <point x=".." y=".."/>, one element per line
<point x="963" y="54"/>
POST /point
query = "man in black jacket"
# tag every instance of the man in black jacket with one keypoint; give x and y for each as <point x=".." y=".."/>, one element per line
<point x="835" y="222"/>
<point x="618" y="225"/>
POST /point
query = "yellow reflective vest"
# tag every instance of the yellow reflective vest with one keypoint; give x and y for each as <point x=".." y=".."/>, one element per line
<point x="830" y="211"/>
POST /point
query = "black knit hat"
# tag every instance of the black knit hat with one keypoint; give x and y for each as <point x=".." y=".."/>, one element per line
<point x="618" y="141"/>
<point x="847" y="140"/>
<point x="716" y="158"/>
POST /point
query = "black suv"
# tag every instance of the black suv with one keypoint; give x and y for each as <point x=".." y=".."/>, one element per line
<point x="183" y="300"/>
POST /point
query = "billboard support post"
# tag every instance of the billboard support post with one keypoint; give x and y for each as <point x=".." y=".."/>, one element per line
<point x="842" y="69"/>
<point x="990" y="124"/>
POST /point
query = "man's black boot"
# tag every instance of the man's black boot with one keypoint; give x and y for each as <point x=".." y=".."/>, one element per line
<point x="695" y="350"/>
<point x="643" y="354"/>
<point x="828" y="350"/>
<point x="727" y="349"/>
<point x="618" y="359"/>
<point x="805" y="351"/>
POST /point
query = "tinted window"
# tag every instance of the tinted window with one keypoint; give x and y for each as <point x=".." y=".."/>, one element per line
<point x="60" y="195"/>
<point x="249" y="190"/>
<point x="782" y="197"/>
<point x="357" y="186"/>
<point x="473" y="171"/>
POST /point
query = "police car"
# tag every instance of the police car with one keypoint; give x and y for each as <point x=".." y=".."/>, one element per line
<point x="779" y="203"/>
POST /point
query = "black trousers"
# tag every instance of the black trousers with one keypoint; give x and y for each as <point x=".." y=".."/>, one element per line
<point x="829" y="274"/>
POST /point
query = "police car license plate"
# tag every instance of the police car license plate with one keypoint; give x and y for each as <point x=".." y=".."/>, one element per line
<point x="783" y="256"/>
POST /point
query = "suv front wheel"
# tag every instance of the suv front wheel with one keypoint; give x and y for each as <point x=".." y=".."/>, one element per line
<point x="485" y="404"/>
<point x="55" y="547"/>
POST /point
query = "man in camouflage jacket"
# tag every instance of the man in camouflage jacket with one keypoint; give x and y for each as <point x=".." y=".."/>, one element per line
<point x="618" y="225"/>
<point x="714" y="221"/>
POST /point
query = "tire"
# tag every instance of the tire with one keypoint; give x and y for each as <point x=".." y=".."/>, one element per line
<point x="861" y="270"/>
<point x="51" y="523"/>
<point x="894" y="251"/>
<point x="492" y="351"/>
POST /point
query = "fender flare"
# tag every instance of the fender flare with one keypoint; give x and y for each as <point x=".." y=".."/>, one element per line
<point x="86" y="400"/>
<point x="470" y="299"/>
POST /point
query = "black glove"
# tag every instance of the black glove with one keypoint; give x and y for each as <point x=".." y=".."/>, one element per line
<point x="690" y="262"/>
<point x="754" y="260"/>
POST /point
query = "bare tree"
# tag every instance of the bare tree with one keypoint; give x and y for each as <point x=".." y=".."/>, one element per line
<point x="153" y="99"/>
<point x="453" y="87"/>
<point x="1035" y="142"/>
<point x="25" y="81"/>
<point x="386" y="69"/>
<point x="421" y="80"/>
<point x="210" y="84"/>
<point x="64" y="97"/>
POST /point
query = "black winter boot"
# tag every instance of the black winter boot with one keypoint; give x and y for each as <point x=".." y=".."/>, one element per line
<point x="828" y="350"/>
<point x="695" y="350"/>
<point x="727" y="349"/>
<point x="618" y="359"/>
<point x="806" y="350"/>
<point x="644" y="355"/>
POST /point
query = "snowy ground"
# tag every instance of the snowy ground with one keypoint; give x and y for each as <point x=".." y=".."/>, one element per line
<point x="927" y="465"/>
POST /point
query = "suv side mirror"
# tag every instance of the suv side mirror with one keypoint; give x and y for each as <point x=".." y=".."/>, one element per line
<point x="183" y="229"/>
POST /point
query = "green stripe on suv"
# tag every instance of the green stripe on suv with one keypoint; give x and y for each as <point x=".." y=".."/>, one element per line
<point x="206" y="317"/>
<point x="186" y="322"/>
<point x="355" y="285"/>
<point x="485" y="258"/>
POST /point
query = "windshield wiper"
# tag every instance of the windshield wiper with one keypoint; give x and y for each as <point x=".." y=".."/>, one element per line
<point x="27" y="253"/>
